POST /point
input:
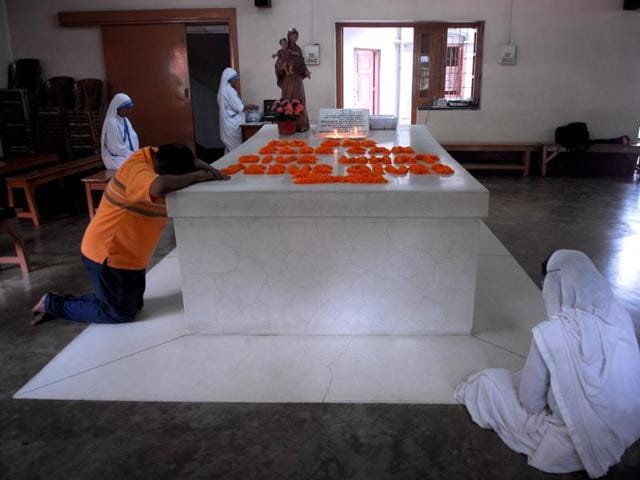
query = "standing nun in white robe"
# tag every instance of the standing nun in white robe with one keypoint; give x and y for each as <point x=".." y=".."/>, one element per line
<point x="231" y="110"/>
<point x="119" y="140"/>
<point x="576" y="403"/>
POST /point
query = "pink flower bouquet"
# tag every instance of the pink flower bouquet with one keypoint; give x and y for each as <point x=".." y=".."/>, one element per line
<point x="287" y="109"/>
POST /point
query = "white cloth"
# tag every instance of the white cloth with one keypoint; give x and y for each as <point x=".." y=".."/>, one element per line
<point x="119" y="140"/>
<point x="590" y="352"/>
<point x="231" y="111"/>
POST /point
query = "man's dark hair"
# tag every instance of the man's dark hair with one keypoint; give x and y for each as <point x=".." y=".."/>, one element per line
<point x="174" y="159"/>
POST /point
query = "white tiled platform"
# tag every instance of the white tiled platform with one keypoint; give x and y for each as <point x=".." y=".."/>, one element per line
<point x="153" y="360"/>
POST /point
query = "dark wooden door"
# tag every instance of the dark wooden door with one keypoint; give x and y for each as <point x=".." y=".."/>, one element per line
<point x="149" y="63"/>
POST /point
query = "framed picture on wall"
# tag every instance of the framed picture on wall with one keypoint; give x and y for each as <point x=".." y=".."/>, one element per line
<point x="312" y="54"/>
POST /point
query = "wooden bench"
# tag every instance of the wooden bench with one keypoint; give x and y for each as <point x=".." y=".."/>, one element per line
<point x="523" y="148"/>
<point x="96" y="183"/>
<point x="28" y="162"/>
<point x="29" y="181"/>
<point x="552" y="150"/>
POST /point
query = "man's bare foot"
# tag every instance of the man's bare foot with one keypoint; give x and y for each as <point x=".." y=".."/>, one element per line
<point x="39" y="314"/>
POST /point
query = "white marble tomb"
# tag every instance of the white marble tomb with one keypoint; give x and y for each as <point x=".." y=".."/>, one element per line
<point x="260" y="255"/>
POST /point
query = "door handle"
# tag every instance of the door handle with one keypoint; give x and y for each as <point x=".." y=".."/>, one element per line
<point x="186" y="93"/>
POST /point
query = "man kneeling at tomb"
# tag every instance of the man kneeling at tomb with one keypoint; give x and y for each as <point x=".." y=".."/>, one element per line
<point x="119" y="241"/>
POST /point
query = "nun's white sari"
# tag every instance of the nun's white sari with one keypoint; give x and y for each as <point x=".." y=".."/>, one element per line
<point x="576" y="404"/>
<point x="231" y="111"/>
<point x="118" y="140"/>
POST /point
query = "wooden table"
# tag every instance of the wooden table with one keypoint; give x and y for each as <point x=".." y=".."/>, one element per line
<point x="523" y="148"/>
<point x="552" y="150"/>
<point x="96" y="183"/>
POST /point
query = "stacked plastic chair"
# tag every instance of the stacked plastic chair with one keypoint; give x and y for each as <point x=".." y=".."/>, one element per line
<point x="56" y="97"/>
<point x="84" y="122"/>
<point x="18" y="104"/>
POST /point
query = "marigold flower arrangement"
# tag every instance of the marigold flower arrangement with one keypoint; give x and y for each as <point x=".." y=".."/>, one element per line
<point x="287" y="109"/>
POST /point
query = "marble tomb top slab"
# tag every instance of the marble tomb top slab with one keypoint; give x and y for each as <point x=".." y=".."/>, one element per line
<point x="412" y="196"/>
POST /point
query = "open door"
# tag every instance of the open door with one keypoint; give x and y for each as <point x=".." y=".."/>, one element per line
<point x="149" y="63"/>
<point x="429" y="46"/>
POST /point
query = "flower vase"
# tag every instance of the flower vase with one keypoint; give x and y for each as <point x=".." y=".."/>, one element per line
<point x="286" y="127"/>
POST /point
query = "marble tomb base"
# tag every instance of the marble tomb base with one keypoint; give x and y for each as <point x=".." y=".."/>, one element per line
<point x="153" y="359"/>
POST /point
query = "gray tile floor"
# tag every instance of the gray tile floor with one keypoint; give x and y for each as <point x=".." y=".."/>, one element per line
<point x="118" y="440"/>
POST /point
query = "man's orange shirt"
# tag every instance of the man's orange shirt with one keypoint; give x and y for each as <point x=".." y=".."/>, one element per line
<point x="128" y="223"/>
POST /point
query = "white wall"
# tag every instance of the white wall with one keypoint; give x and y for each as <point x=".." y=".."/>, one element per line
<point x="577" y="59"/>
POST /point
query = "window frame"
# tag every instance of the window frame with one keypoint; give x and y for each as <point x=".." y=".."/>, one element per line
<point x="419" y="28"/>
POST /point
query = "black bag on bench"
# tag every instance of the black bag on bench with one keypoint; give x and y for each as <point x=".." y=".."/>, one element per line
<point x="574" y="137"/>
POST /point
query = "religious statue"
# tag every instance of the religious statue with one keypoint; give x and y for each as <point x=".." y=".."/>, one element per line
<point x="290" y="72"/>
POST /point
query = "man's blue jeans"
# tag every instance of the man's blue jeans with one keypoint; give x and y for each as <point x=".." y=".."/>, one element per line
<point x="117" y="296"/>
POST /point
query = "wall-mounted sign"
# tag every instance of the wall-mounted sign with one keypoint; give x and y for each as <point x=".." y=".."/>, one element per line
<point x="312" y="54"/>
<point x="507" y="55"/>
<point x="344" y="122"/>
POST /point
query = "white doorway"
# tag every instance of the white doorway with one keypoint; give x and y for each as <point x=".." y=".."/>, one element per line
<point x="378" y="70"/>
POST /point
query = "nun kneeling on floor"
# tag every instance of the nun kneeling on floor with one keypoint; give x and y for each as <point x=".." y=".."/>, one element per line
<point x="576" y="403"/>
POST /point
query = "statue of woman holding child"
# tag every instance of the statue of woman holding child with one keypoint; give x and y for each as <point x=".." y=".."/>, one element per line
<point x="290" y="72"/>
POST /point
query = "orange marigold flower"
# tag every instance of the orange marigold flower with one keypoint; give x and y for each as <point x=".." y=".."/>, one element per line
<point x="288" y="159"/>
<point x="405" y="159"/>
<point x="427" y="158"/>
<point x="306" y="149"/>
<point x="308" y="159"/>
<point x="268" y="150"/>
<point x="330" y="143"/>
<point x="297" y="143"/>
<point x="233" y="169"/>
<point x="322" y="168"/>
<point x="344" y="160"/>
<point x="399" y="149"/>
<point x="419" y="170"/>
<point x="368" y="143"/>
<point x="377" y="170"/>
<point x="396" y="170"/>
<point x="322" y="150"/>
<point x="441" y="169"/>
<point x="286" y="150"/>
<point x="360" y="160"/>
<point x="359" y="170"/>
<point x="364" y="179"/>
<point x="267" y="159"/>
<point x="356" y="151"/>
<point x="378" y="150"/>
<point x="276" y="169"/>
<point x="249" y="159"/>
<point x="255" y="170"/>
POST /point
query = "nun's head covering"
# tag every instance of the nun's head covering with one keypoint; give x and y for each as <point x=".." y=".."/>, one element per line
<point x="119" y="100"/>
<point x="573" y="282"/>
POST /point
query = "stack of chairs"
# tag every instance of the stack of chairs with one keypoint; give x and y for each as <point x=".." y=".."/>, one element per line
<point x="56" y="97"/>
<point x="18" y="104"/>
<point x="84" y="122"/>
<point x="60" y="116"/>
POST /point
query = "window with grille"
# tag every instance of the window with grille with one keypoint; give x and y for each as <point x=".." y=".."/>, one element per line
<point x="447" y="59"/>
